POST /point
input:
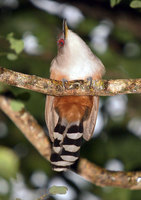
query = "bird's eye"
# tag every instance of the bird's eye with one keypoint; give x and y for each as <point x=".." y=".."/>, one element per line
<point x="61" y="42"/>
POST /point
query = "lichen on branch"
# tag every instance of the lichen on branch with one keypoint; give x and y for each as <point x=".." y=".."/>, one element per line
<point x="76" y="87"/>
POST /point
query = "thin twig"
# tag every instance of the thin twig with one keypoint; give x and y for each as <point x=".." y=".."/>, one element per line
<point x="78" y="87"/>
<point x="93" y="173"/>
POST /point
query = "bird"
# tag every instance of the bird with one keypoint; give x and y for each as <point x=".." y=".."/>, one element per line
<point x="70" y="119"/>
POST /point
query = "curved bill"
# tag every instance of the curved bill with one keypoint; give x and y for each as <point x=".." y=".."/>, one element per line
<point x="65" y="28"/>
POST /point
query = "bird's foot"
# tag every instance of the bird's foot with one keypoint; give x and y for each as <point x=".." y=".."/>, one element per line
<point x="89" y="79"/>
<point x="64" y="81"/>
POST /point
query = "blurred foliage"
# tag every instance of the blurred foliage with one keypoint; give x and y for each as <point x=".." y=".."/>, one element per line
<point x="114" y="2"/>
<point x="133" y="3"/>
<point x="58" y="190"/>
<point x="16" y="45"/>
<point x="16" y="105"/>
<point x="115" y="141"/>
<point x="12" y="56"/>
<point x="9" y="163"/>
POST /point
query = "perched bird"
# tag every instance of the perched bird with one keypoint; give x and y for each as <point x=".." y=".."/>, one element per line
<point x="71" y="118"/>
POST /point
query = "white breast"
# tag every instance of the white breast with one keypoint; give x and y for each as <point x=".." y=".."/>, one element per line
<point x="79" y="70"/>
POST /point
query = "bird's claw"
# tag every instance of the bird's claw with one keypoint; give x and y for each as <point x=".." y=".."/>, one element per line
<point x="89" y="79"/>
<point x="64" y="81"/>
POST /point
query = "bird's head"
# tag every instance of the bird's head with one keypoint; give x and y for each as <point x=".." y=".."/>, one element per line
<point x="69" y="43"/>
<point x="63" y="36"/>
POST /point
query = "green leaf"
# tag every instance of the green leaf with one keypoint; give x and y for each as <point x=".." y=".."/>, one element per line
<point x="9" y="163"/>
<point x="10" y="35"/>
<point x="15" y="44"/>
<point x="58" y="190"/>
<point x="16" y="105"/>
<point x="12" y="56"/>
<point x="114" y="2"/>
<point x="135" y="4"/>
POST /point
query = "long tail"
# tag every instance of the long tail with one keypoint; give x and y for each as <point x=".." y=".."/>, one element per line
<point x="66" y="145"/>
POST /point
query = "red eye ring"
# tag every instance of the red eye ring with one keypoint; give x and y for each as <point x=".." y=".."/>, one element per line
<point x="61" y="42"/>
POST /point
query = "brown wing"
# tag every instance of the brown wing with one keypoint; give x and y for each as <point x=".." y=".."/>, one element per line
<point x="89" y="124"/>
<point x="51" y="116"/>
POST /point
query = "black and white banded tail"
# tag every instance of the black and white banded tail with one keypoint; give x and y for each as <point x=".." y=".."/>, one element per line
<point x="66" y="145"/>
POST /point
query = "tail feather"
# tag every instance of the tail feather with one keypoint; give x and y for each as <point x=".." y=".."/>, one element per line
<point x="58" y="137"/>
<point x="66" y="145"/>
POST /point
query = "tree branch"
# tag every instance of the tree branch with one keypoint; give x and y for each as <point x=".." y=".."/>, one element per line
<point x="78" y="87"/>
<point x="103" y="177"/>
<point x="28" y="126"/>
<point x="93" y="173"/>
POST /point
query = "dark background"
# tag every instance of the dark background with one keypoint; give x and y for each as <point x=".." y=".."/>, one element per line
<point x="114" y="35"/>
